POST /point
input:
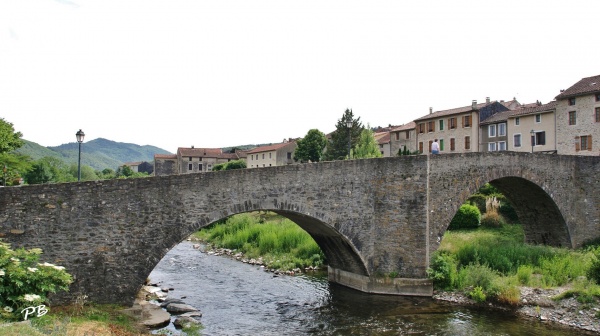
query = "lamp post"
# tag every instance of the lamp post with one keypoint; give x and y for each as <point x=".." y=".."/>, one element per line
<point x="79" y="135"/>
<point x="349" y="125"/>
<point x="532" y="139"/>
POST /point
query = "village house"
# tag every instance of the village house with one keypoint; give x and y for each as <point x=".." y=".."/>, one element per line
<point x="383" y="142"/>
<point x="140" y="167"/>
<point x="192" y="160"/>
<point x="279" y="154"/>
<point x="532" y="129"/>
<point x="457" y="130"/>
<point x="578" y="118"/>
<point x="403" y="137"/>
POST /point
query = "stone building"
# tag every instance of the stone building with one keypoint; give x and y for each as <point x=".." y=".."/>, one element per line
<point x="403" y="136"/>
<point x="578" y="118"/>
<point x="192" y="160"/>
<point x="279" y="154"/>
<point x="457" y="130"/>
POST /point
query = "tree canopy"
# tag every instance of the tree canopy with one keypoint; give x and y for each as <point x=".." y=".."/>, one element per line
<point x="337" y="146"/>
<point x="367" y="146"/>
<point x="12" y="164"/>
<point x="310" y="148"/>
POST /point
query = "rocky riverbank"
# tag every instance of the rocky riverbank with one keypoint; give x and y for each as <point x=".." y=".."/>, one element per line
<point x="539" y="304"/>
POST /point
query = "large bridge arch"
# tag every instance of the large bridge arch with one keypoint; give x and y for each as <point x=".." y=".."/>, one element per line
<point x="372" y="217"/>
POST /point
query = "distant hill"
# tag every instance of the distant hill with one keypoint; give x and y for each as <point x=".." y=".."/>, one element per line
<point x="98" y="153"/>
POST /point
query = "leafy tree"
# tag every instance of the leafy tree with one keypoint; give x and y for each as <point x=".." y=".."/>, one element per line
<point x="337" y="146"/>
<point x="124" y="172"/>
<point x="366" y="147"/>
<point x="9" y="139"/>
<point x="87" y="173"/>
<point x="310" y="148"/>
<point x="40" y="172"/>
<point x="12" y="164"/>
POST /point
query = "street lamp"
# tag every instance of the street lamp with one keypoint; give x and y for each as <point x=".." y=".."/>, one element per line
<point x="532" y="139"/>
<point x="349" y="125"/>
<point x="79" y="135"/>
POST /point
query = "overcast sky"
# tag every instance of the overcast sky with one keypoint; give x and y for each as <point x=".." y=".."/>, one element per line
<point x="175" y="73"/>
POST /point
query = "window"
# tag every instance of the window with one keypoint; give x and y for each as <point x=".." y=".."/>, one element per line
<point x="467" y="142"/>
<point x="441" y="124"/>
<point x="431" y="126"/>
<point x="263" y="156"/>
<point x="583" y="142"/>
<point x="502" y="129"/>
<point x="199" y="159"/>
<point x="408" y="134"/>
<point x="572" y="118"/>
<point x="430" y="142"/>
<point x="289" y="155"/>
<point x="597" y="96"/>
<point x="597" y="114"/>
<point x="200" y="167"/>
<point x="452" y="144"/>
<point x="421" y="128"/>
<point x="452" y="122"/>
<point x="491" y="131"/>
<point x="538" y="118"/>
<point x="190" y="166"/>
<point x="501" y="145"/>
<point x="190" y="158"/>
<point x="397" y="135"/>
<point x="441" y="145"/>
<point x="467" y="121"/>
<point x="517" y="121"/>
<point x="539" y="138"/>
<point x="571" y="101"/>
<point x="421" y="147"/>
<point x="517" y="140"/>
<point x="269" y="155"/>
<point x="491" y="147"/>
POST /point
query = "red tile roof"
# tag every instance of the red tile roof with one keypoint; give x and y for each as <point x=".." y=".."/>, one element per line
<point x="382" y="137"/>
<point x="534" y="110"/>
<point x="407" y="126"/>
<point x="586" y="85"/>
<point x="199" y="152"/>
<point x="165" y="156"/>
<point x="268" y="148"/>
<point x="457" y="110"/>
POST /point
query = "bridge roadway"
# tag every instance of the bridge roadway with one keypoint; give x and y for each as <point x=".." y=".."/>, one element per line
<point x="370" y="217"/>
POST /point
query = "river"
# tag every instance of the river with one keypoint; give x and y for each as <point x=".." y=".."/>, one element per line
<point x="241" y="299"/>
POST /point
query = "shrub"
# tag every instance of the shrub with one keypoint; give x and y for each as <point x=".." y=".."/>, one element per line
<point x="478" y="294"/>
<point x="467" y="217"/>
<point x="24" y="282"/>
<point x="477" y="275"/>
<point x="508" y="212"/>
<point x="492" y="219"/>
<point x="443" y="270"/>
<point x="524" y="273"/>
<point x="478" y="200"/>
<point x="594" y="271"/>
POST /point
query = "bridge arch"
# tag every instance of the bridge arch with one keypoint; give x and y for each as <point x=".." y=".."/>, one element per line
<point x="371" y="217"/>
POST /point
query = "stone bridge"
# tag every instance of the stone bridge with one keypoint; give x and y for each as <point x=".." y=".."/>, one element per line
<point x="370" y="217"/>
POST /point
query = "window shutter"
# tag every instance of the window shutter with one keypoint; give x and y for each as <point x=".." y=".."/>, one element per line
<point x="589" y="142"/>
<point x="542" y="138"/>
<point x="462" y="120"/>
<point x="577" y="143"/>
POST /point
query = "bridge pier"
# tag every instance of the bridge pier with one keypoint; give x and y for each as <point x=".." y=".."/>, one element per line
<point x="381" y="285"/>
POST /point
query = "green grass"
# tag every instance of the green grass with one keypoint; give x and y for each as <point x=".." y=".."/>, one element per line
<point x="496" y="261"/>
<point x="280" y="242"/>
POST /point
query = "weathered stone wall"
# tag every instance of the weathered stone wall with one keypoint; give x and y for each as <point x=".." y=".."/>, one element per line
<point x="370" y="217"/>
<point x="585" y="125"/>
<point x="165" y="167"/>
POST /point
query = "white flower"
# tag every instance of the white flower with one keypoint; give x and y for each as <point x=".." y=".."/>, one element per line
<point x="15" y="260"/>
<point x="47" y="264"/>
<point x="32" y="269"/>
<point x="31" y="297"/>
<point x="2" y="272"/>
<point x="60" y="268"/>
<point x="8" y="309"/>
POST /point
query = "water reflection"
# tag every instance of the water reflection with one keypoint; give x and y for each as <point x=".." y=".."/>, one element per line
<point x="240" y="299"/>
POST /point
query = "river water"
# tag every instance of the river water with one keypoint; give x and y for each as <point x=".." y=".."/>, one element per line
<point x="241" y="299"/>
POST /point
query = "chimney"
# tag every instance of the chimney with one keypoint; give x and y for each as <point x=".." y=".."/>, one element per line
<point x="561" y="91"/>
<point x="487" y="100"/>
<point x="430" y="110"/>
<point x="474" y="104"/>
<point x="192" y="146"/>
